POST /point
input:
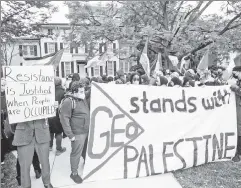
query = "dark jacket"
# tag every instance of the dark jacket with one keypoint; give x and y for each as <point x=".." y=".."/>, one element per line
<point x="75" y="121"/>
<point x="238" y="105"/>
<point x="54" y="122"/>
<point x="27" y="131"/>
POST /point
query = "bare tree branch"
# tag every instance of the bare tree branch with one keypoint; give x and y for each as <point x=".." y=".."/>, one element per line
<point x="176" y="14"/>
<point x="201" y="11"/>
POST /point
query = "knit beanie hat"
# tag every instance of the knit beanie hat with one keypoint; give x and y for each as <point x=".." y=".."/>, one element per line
<point x="75" y="86"/>
<point x="57" y="81"/>
<point x="176" y="81"/>
<point x="163" y="80"/>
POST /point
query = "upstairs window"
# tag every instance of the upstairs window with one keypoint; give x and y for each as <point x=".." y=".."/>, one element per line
<point x="50" y="31"/>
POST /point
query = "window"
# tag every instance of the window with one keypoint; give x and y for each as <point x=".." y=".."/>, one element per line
<point x="31" y="48"/>
<point x="51" y="47"/>
<point x="110" y="68"/>
<point x="50" y="31"/>
<point x="67" y="68"/>
<point x="25" y="50"/>
<point x="96" y="71"/>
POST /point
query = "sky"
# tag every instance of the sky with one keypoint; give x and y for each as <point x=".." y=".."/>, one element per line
<point x="59" y="17"/>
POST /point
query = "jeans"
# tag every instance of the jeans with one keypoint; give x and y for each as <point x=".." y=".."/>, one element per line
<point x="25" y="155"/>
<point x="35" y="163"/>
<point x="77" y="148"/>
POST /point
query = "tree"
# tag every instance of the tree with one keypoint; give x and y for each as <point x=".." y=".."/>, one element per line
<point x="22" y="18"/>
<point x="174" y="27"/>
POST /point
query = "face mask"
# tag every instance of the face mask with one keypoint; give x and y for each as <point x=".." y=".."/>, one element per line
<point x="136" y="82"/>
<point x="80" y="95"/>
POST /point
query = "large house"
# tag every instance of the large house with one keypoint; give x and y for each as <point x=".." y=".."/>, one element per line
<point x="28" y="51"/>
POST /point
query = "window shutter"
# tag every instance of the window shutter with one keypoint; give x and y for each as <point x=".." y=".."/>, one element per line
<point x="57" y="71"/>
<point x="35" y="50"/>
<point x="56" y="47"/>
<point x="101" y="70"/>
<point x="105" y="47"/>
<point x="76" y="50"/>
<point x="106" y="68"/>
<point x="20" y="50"/>
<point x="61" y="46"/>
<point x="114" y="47"/>
<point x="46" y="47"/>
<point x="100" y="48"/>
<point x="62" y="69"/>
<point x="72" y="67"/>
<point x="92" y="71"/>
<point x="86" y="48"/>
<point x="71" y="50"/>
<point x="114" y="68"/>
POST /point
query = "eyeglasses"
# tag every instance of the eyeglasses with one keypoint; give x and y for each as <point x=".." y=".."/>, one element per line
<point x="135" y="79"/>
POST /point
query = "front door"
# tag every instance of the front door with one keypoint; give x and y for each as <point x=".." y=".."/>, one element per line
<point x="81" y="70"/>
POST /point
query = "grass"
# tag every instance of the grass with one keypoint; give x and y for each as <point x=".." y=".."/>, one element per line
<point x="212" y="175"/>
<point x="10" y="173"/>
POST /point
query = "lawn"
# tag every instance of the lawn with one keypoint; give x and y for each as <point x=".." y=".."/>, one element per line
<point x="212" y="175"/>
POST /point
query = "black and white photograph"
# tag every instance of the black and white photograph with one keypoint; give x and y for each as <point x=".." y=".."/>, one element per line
<point x="120" y="94"/>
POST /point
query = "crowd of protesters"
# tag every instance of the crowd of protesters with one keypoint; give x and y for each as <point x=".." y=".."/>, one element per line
<point x="72" y="120"/>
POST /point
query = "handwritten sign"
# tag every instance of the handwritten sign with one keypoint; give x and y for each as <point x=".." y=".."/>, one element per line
<point x="30" y="92"/>
<point x="145" y="130"/>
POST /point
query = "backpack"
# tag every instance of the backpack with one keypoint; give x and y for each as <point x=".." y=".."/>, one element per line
<point x="73" y="104"/>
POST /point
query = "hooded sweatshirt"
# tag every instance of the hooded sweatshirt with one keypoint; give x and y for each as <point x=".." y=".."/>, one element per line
<point x="75" y="121"/>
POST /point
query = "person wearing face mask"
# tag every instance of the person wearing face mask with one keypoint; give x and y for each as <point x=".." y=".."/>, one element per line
<point x="135" y="79"/>
<point x="75" y="118"/>
<point x="237" y="89"/>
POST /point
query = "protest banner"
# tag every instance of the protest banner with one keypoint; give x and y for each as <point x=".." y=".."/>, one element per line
<point x="138" y="131"/>
<point x="30" y="92"/>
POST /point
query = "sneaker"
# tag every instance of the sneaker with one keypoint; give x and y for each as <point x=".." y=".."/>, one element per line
<point x="59" y="152"/>
<point x="50" y="148"/>
<point x="76" y="178"/>
<point x="48" y="186"/>
<point x="236" y="158"/>
<point x="38" y="174"/>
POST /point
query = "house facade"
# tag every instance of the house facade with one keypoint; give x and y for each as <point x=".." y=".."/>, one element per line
<point x="28" y="51"/>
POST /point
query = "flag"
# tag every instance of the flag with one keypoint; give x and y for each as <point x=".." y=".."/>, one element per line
<point x="98" y="60"/>
<point x="206" y="61"/>
<point x="158" y="63"/>
<point x="203" y="65"/>
<point x="174" y="60"/>
<point x="237" y="59"/>
<point x="184" y="65"/>
<point x="228" y="72"/>
<point x="55" y="60"/>
<point x="144" y="61"/>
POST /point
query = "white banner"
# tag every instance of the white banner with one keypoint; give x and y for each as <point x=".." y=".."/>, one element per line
<point x="145" y="130"/>
<point x="30" y="92"/>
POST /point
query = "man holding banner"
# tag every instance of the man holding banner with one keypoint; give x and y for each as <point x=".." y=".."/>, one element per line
<point x="237" y="90"/>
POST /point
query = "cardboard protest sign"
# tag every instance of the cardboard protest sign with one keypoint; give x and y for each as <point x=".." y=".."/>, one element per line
<point x="30" y="92"/>
<point x="145" y="130"/>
